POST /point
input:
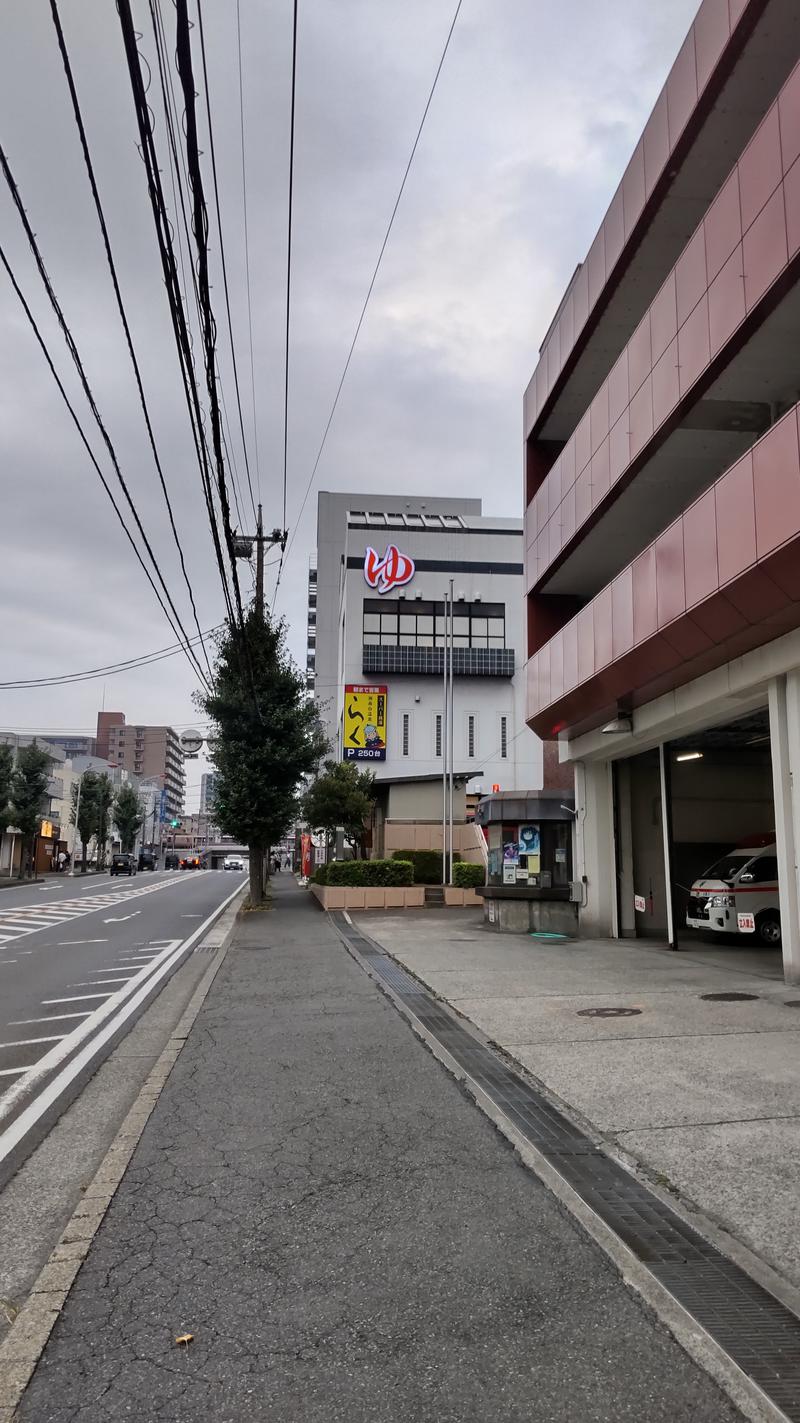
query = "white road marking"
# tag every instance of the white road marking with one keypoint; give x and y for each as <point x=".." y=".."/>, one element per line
<point x="122" y="917"/>
<point x="8" y="960"/>
<point x="14" y="1071"/>
<point x="28" y="1042"/>
<point x="79" y="998"/>
<point x="73" y="943"/>
<point x="54" y="1018"/>
<point x="30" y="918"/>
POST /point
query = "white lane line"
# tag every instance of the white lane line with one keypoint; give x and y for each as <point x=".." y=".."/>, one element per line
<point x="122" y="917"/>
<point x="28" y="1042"/>
<point x="79" y="998"/>
<point x="8" y="960"/>
<point x="14" y="1071"/>
<point x="74" y="943"/>
<point x="53" y="1018"/>
<point x="96" y="982"/>
<point x="108" y="1020"/>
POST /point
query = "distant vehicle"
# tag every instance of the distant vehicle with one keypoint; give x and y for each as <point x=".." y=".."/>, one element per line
<point x="170" y="862"/>
<point x="233" y="862"/>
<point x="123" y="864"/>
<point x="147" y="860"/>
<point x="190" y="862"/>
<point x="739" y="895"/>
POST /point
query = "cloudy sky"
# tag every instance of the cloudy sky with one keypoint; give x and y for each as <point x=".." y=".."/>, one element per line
<point x="536" y="112"/>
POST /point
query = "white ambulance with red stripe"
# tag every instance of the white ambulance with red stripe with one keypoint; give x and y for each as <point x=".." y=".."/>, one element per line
<point x="739" y="894"/>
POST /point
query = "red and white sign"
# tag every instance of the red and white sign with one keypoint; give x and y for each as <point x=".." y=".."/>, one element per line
<point x="305" y="855"/>
<point x="391" y="571"/>
<point x="746" y="923"/>
<point x="639" y="903"/>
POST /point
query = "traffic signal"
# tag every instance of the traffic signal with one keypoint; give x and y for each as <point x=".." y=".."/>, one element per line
<point x="174" y="824"/>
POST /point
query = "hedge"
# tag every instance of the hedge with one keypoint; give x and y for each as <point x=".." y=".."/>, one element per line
<point x="370" y="873"/>
<point x="427" y="864"/>
<point x="320" y="875"/>
<point x="466" y="876"/>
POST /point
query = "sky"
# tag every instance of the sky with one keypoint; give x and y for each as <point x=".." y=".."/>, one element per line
<point x="535" y="115"/>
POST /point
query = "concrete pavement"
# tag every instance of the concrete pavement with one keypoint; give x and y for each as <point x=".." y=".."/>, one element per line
<point x="344" y="1235"/>
<point x="702" y="1093"/>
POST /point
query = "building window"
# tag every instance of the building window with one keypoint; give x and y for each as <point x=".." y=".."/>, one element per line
<point x="438" y="734"/>
<point x="504" y="738"/>
<point x="472" y="727"/>
<point x="406" y="733"/>
<point x="404" y="622"/>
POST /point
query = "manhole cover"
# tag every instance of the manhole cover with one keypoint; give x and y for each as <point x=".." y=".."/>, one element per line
<point x="608" y="1012"/>
<point x="729" y="997"/>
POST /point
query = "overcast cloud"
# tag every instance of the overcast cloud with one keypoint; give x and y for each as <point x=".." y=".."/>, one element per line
<point x="536" y="113"/>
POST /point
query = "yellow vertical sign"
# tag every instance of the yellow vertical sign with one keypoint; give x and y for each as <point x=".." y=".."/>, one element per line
<point x="364" y="723"/>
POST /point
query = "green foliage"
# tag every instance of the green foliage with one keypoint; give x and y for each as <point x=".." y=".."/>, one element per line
<point x="104" y="800"/>
<point x="371" y="873"/>
<point x="85" y="810"/>
<point x="427" y="864"/>
<point x="466" y="876"/>
<point x="6" y="773"/>
<point x="266" y="738"/>
<point x="128" y="816"/>
<point x="341" y="796"/>
<point x="320" y="875"/>
<point x="29" y="788"/>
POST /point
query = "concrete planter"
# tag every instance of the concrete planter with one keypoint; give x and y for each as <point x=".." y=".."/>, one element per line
<point x="358" y="897"/>
<point x="460" y="898"/>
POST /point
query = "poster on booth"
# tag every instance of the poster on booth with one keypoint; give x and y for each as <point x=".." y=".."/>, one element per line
<point x="364" y="723"/>
<point x="530" y="845"/>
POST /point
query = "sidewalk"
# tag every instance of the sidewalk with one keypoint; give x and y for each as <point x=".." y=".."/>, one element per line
<point x="344" y="1234"/>
<point x="705" y="1095"/>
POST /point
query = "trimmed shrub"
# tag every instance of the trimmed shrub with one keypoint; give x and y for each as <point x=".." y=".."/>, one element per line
<point x="427" y="864"/>
<point x="371" y="873"/>
<point x="466" y="876"/>
<point x="320" y="875"/>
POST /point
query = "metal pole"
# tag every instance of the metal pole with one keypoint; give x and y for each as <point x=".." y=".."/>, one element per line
<point x="666" y="831"/>
<point x="444" y="744"/>
<point x="260" y="565"/>
<point x="77" y="815"/>
<point x="451" y="724"/>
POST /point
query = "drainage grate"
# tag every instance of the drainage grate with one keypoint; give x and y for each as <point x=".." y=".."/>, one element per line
<point x="729" y="997"/>
<point x="751" y="1325"/>
<point x="608" y="1012"/>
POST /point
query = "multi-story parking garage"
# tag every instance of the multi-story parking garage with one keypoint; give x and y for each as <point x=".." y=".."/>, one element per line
<point x="663" y="503"/>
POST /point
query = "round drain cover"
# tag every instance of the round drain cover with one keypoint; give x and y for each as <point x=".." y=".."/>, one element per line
<point x="729" y="997"/>
<point x="608" y="1012"/>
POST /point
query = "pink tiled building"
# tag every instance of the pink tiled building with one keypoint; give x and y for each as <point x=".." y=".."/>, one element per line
<point x="662" y="472"/>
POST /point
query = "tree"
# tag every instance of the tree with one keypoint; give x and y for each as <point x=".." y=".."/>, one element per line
<point x="29" y="796"/>
<point x="6" y="773"/>
<point x="104" y="800"/>
<point x="267" y="738"/>
<point x="341" y="796"/>
<point x="86" y="811"/>
<point x="128" y="816"/>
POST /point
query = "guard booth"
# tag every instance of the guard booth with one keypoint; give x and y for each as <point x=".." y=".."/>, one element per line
<point x="530" y="853"/>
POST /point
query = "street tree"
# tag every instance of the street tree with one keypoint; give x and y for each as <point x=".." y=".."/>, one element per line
<point x="128" y="816"/>
<point x="342" y="796"/>
<point x="29" y="797"/>
<point x="266" y="738"/>
<point x="84" y="812"/>
<point x="6" y="773"/>
<point x="104" y="801"/>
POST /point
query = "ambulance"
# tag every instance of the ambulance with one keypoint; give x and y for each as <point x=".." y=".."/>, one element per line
<point x="739" y="894"/>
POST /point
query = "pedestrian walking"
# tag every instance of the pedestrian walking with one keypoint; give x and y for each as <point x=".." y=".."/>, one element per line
<point x="62" y="861"/>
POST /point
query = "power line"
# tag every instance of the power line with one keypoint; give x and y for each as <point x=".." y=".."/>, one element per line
<point x="247" y="246"/>
<point x="373" y="279"/>
<point x="111" y="669"/>
<point x="224" y="263"/>
<point x="123" y="317"/>
<point x="288" y="298"/>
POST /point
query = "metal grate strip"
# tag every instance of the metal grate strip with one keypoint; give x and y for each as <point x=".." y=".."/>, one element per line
<point x="759" y="1333"/>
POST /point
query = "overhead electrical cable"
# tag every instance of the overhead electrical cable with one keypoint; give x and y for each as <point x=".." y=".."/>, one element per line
<point x="179" y="321"/>
<point x="123" y="317"/>
<point x="76" y="359"/>
<point x="373" y="279"/>
<point x="223" y="261"/>
<point x="247" y="248"/>
<point x="288" y="294"/>
<point x="107" y="487"/>
<point x="110" y="670"/>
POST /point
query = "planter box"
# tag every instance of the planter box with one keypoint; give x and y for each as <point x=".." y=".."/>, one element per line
<point x="460" y="898"/>
<point x="370" y="897"/>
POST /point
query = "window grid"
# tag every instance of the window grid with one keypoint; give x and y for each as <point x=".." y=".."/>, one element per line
<point x="438" y="735"/>
<point x="471" y="736"/>
<point x="406" y="737"/>
<point x="406" y="623"/>
<point x="504" y="738"/>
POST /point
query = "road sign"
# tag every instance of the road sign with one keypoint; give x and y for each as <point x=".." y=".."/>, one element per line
<point x="162" y="807"/>
<point x="191" y="742"/>
<point x="364" y="737"/>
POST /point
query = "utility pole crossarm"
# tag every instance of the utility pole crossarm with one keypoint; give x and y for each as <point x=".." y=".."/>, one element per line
<point x="243" y="548"/>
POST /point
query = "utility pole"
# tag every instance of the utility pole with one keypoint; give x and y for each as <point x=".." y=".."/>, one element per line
<point x="243" y="548"/>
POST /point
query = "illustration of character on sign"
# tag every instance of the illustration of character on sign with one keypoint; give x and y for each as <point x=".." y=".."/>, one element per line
<point x="372" y="740"/>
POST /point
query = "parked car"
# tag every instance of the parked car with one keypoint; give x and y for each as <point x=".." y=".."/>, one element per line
<point x="739" y="895"/>
<point x="147" y="860"/>
<point x="190" y="862"/>
<point x="233" y="862"/>
<point x="123" y="864"/>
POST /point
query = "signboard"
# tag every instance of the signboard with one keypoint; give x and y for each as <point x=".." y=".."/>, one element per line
<point x="392" y="571"/>
<point x="191" y="743"/>
<point x="305" y="855"/>
<point x="46" y="830"/>
<point x="509" y="874"/>
<point x="639" y="903"/>
<point x="530" y="845"/>
<point x="492" y="908"/>
<point x="746" y="923"/>
<point x="364" y="723"/>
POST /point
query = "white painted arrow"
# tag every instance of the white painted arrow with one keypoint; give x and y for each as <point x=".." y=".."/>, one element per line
<point x="122" y="917"/>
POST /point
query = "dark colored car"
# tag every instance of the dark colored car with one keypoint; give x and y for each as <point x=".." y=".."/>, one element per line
<point x="147" y="860"/>
<point x="123" y="864"/>
<point x="190" y="862"/>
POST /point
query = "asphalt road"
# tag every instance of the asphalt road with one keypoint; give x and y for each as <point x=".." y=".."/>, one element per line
<point x="76" y="958"/>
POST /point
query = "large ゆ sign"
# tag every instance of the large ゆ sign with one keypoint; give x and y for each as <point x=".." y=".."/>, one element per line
<point x="391" y="571"/>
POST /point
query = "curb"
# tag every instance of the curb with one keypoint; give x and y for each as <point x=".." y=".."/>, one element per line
<point x="24" y="1344"/>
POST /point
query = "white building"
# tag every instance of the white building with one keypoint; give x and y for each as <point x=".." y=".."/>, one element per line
<point x="376" y="620"/>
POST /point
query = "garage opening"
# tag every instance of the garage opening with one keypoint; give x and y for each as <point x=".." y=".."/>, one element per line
<point x="699" y="813"/>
